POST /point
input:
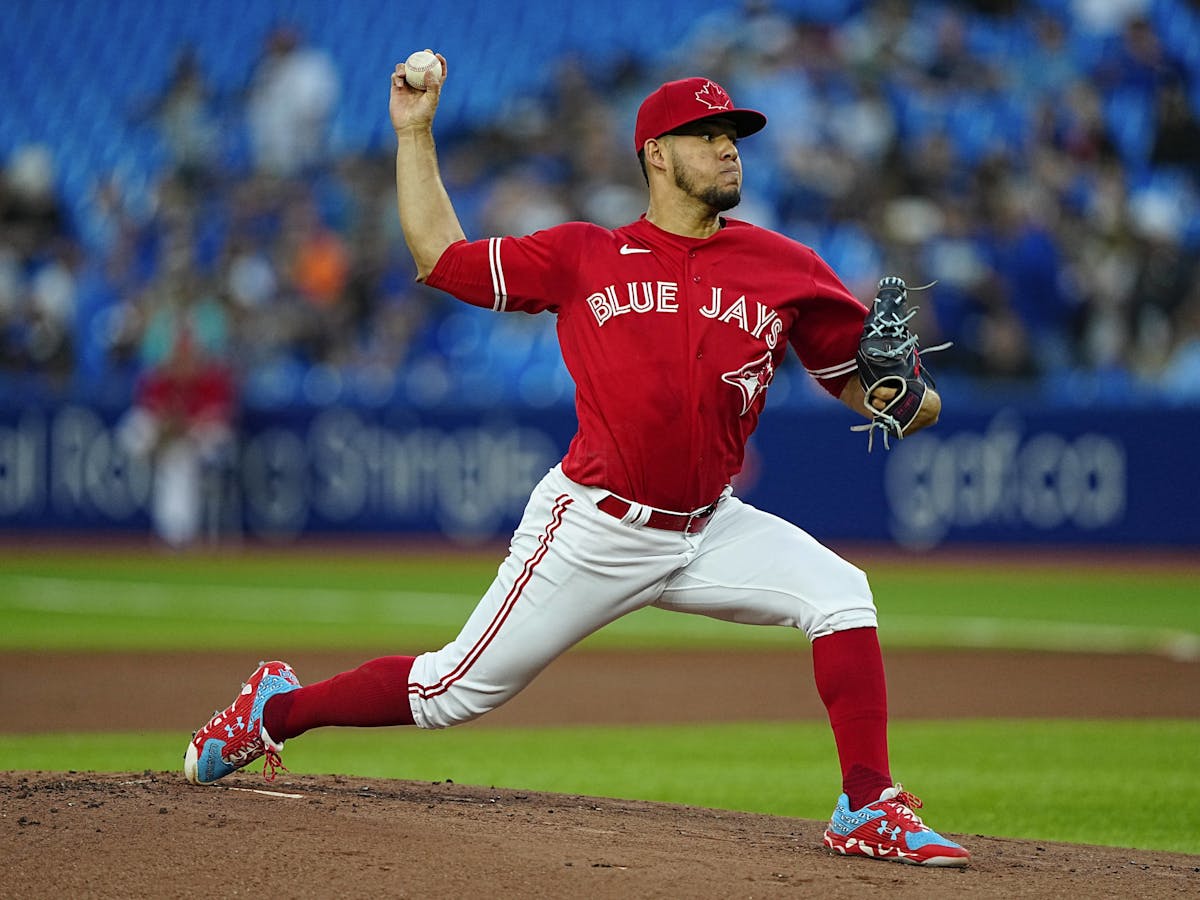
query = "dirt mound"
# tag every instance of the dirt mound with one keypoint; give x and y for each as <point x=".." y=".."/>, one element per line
<point x="153" y="835"/>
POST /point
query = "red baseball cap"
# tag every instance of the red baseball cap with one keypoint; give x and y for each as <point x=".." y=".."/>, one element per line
<point x="678" y="103"/>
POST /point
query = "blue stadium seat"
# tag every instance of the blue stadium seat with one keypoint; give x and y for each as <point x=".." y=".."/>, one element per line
<point x="1130" y="118"/>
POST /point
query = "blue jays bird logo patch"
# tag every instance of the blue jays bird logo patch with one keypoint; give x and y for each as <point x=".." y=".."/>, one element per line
<point x="751" y="379"/>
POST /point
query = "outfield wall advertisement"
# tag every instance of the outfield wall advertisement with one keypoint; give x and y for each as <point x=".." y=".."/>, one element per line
<point x="1003" y="475"/>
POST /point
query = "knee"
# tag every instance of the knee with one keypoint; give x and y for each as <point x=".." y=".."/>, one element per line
<point x="447" y="709"/>
<point x="850" y="605"/>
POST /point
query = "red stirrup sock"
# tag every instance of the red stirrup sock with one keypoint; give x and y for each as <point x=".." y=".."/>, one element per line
<point x="848" y="669"/>
<point x="376" y="693"/>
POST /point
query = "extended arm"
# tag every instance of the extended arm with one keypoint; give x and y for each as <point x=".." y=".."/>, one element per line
<point x="427" y="216"/>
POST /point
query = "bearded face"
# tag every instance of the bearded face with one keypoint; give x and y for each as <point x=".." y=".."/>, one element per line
<point x="717" y="196"/>
<point x="706" y="164"/>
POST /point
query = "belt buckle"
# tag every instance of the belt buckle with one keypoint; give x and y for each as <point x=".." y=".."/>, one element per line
<point x="699" y="514"/>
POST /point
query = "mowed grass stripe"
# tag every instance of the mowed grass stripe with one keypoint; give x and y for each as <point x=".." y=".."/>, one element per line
<point x="92" y="596"/>
<point x="48" y="611"/>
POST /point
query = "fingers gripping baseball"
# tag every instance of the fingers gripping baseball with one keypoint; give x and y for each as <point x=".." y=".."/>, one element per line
<point x="416" y="90"/>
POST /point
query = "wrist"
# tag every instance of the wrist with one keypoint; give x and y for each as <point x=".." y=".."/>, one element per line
<point x="413" y="131"/>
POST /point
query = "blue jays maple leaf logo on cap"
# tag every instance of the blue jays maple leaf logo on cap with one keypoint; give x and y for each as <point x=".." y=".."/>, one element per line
<point x="713" y="96"/>
<point x="688" y="100"/>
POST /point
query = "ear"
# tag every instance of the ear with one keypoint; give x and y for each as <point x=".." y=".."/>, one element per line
<point x="654" y="152"/>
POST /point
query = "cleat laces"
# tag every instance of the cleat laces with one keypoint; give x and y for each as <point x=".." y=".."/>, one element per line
<point x="904" y="803"/>
<point x="272" y="762"/>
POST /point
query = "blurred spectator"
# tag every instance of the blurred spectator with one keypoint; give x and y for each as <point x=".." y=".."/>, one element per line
<point x="1166" y="274"/>
<point x="38" y="261"/>
<point x="50" y="342"/>
<point x="1180" y="377"/>
<point x="1077" y="127"/>
<point x="1106" y="16"/>
<point x="1028" y="263"/>
<point x="292" y="96"/>
<point x="949" y="63"/>
<point x="33" y="219"/>
<point x="1050" y="69"/>
<point x="320" y="259"/>
<point x="180" y="306"/>
<point x="522" y="202"/>
<point x="1177" y="131"/>
<point x="1139" y="64"/>
<point x="182" y="419"/>
<point x="186" y="116"/>
<point x="874" y="38"/>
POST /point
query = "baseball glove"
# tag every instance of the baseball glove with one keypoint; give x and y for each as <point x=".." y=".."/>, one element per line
<point x="889" y="357"/>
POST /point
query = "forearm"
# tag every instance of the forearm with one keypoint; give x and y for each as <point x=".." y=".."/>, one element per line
<point x="427" y="216"/>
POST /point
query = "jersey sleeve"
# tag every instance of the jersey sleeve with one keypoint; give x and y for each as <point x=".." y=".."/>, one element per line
<point x="826" y="332"/>
<point x="526" y="274"/>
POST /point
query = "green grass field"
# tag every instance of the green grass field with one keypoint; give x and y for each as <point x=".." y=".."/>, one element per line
<point x="1120" y="783"/>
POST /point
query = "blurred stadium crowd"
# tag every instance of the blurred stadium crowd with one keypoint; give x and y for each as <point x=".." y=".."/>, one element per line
<point x="1040" y="160"/>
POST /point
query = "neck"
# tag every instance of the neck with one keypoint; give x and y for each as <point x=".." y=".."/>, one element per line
<point x="688" y="219"/>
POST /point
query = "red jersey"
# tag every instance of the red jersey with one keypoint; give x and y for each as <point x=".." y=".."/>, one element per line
<point x="671" y="341"/>
<point x="205" y="394"/>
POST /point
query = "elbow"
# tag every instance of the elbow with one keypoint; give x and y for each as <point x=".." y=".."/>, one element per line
<point x="426" y="259"/>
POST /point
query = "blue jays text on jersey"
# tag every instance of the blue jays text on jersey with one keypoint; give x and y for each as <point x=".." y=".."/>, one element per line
<point x="663" y="297"/>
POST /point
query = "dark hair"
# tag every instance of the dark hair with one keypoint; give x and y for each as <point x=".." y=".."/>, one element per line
<point x="642" y="163"/>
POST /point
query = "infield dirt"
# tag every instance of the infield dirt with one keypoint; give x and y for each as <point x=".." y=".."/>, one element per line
<point x="149" y="834"/>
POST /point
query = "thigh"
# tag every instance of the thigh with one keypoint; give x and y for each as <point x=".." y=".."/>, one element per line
<point x="754" y="567"/>
<point x="570" y="570"/>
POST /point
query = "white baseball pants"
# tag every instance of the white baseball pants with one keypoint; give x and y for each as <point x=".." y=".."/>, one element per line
<point x="571" y="569"/>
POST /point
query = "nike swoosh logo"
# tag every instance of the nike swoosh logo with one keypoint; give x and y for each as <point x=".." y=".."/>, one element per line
<point x="626" y="250"/>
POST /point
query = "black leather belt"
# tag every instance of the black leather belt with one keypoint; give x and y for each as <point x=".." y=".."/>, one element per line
<point x="688" y="523"/>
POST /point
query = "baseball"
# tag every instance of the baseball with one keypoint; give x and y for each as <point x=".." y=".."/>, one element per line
<point x="417" y="65"/>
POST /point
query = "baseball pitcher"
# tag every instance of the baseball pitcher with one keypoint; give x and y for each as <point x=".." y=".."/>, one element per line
<point x="672" y="328"/>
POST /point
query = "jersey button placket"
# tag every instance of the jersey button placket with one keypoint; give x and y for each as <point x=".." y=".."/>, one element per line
<point x="690" y="266"/>
<point x="700" y="406"/>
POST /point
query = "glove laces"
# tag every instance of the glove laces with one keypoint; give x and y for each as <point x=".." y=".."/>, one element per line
<point x="894" y="328"/>
<point x="888" y="425"/>
<point x="894" y="325"/>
